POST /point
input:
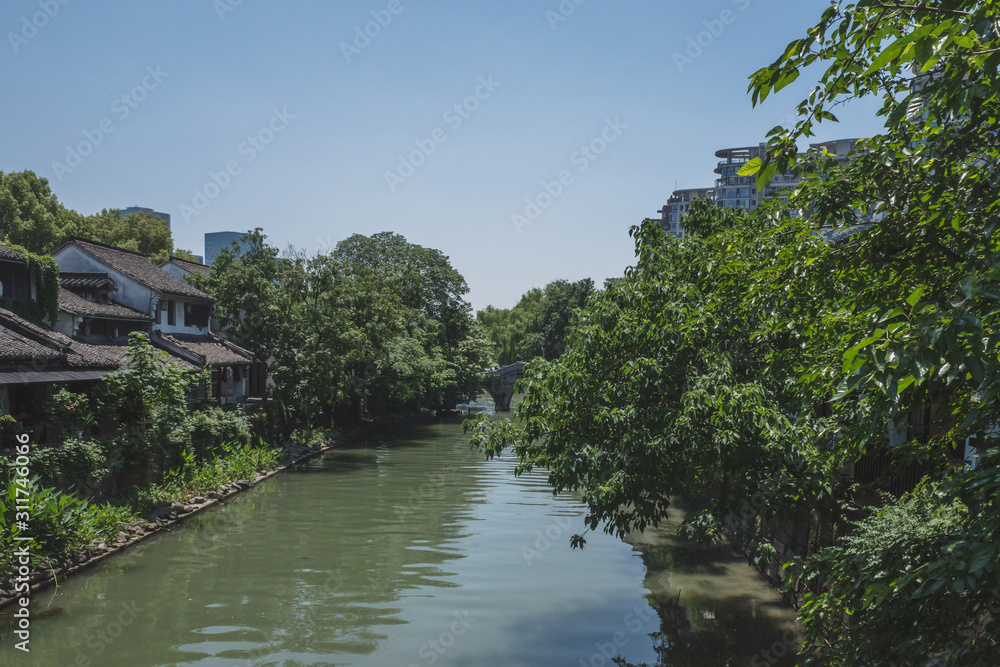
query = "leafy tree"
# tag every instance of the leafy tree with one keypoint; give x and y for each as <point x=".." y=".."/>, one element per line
<point x="667" y="389"/>
<point x="762" y="364"/>
<point x="32" y="217"/>
<point x="148" y="400"/>
<point x="181" y="253"/>
<point x="376" y="326"/>
<point x="562" y="299"/>
<point x="433" y="291"/>
<point x="141" y="232"/>
<point x="30" y="214"/>
<point x="538" y="325"/>
<point x="928" y="194"/>
<point x="248" y="294"/>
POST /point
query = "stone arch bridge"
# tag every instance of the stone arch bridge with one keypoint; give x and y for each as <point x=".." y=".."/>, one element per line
<point x="500" y="384"/>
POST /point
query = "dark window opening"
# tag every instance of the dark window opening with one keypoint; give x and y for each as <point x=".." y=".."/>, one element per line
<point x="168" y="307"/>
<point x="196" y="315"/>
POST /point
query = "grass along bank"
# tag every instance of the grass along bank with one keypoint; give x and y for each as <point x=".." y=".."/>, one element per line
<point x="68" y="531"/>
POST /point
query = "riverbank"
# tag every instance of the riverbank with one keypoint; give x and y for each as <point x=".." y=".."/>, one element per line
<point x="181" y="508"/>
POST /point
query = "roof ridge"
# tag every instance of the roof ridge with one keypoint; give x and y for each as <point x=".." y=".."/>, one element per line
<point x="99" y="244"/>
<point x="186" y="261"/>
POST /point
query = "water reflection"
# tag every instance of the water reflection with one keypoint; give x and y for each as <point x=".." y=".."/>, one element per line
<point x="714" y="609"/>
<point x="406" y="550"/>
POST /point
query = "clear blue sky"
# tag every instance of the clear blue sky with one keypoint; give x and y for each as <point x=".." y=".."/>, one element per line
<point x="201" y="78"/>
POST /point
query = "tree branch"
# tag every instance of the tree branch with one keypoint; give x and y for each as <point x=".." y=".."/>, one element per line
<point x="921" y="8"/>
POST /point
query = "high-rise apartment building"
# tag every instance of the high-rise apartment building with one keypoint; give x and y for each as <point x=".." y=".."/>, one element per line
<point x="733" y="190"/>
<point x="677" y="205"/>
<point x="139" y="209"/>
<point x="216" y="241"/>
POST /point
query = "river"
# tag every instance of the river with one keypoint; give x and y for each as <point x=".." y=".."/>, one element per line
<point x="411" y="550"/>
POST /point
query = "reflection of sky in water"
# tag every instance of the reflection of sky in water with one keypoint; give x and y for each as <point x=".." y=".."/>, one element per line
<point x="409" y="552"/>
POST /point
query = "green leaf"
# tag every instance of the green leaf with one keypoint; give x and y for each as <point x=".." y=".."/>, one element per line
<point x="751" y="167"/>
<point x="765" y="176"/>
<point x="786" y="79"/>
<point x="845" y="388"/>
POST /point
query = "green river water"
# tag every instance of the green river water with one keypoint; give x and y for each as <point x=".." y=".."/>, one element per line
<point x="411" y="550"/>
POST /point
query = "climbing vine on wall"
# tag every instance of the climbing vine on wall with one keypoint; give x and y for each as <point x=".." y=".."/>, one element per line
<point x="48" y="283"/>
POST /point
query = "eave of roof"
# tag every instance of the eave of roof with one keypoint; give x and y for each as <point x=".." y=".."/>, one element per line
<point x="21" y="340"/>
<point x="92" y="281"/>
<point x="188" y="266"/>
<point x="212" y="350"/>
<point x="77" y="305"/>
<point x="8" y="254"/>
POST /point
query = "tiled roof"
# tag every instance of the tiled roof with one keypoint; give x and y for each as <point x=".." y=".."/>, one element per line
<point x="214" y="350"/>
<point x="73" y="303"/>
<point x="16" y="347"/>
<point x="86" y="281"/>
<point x="118" y="353"/>
<point x="22" y="341"/>
<point x="190" y="267"/>
<point x="138" y="267"/>
<point x="90" y="356"/>
<point x="10" y="255"/>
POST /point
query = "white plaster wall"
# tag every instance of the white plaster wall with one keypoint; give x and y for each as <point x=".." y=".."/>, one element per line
<point x="130" y="293"/>
<point x="175" y="270"/>
<point x="66" y="324"/>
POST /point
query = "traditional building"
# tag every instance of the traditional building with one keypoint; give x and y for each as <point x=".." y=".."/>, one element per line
<point x="17" y="281"/>
<point x="178" y="314"/>
<point x="34" y="357"/>
<point x="88" y="313"/>
<point x="182" y="268"/>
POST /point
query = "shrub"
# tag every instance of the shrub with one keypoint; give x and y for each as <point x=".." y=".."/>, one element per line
<point x="76" y="465"/>
<point x="56" y="523"/>
<point x="213" y="426"/>
<point x="308" y="437"/>
<point x="104" y="522"/>
<point x="69" y="412"/>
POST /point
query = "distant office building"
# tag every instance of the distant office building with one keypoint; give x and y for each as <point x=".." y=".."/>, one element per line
<point x="216" y="241"/>
<point x="733" y="190"/>
<point x="138" y="209"/>
<point x="677" y="205"/>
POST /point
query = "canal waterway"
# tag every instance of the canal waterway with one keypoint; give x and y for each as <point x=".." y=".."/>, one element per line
<point x="411" y="550"/>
